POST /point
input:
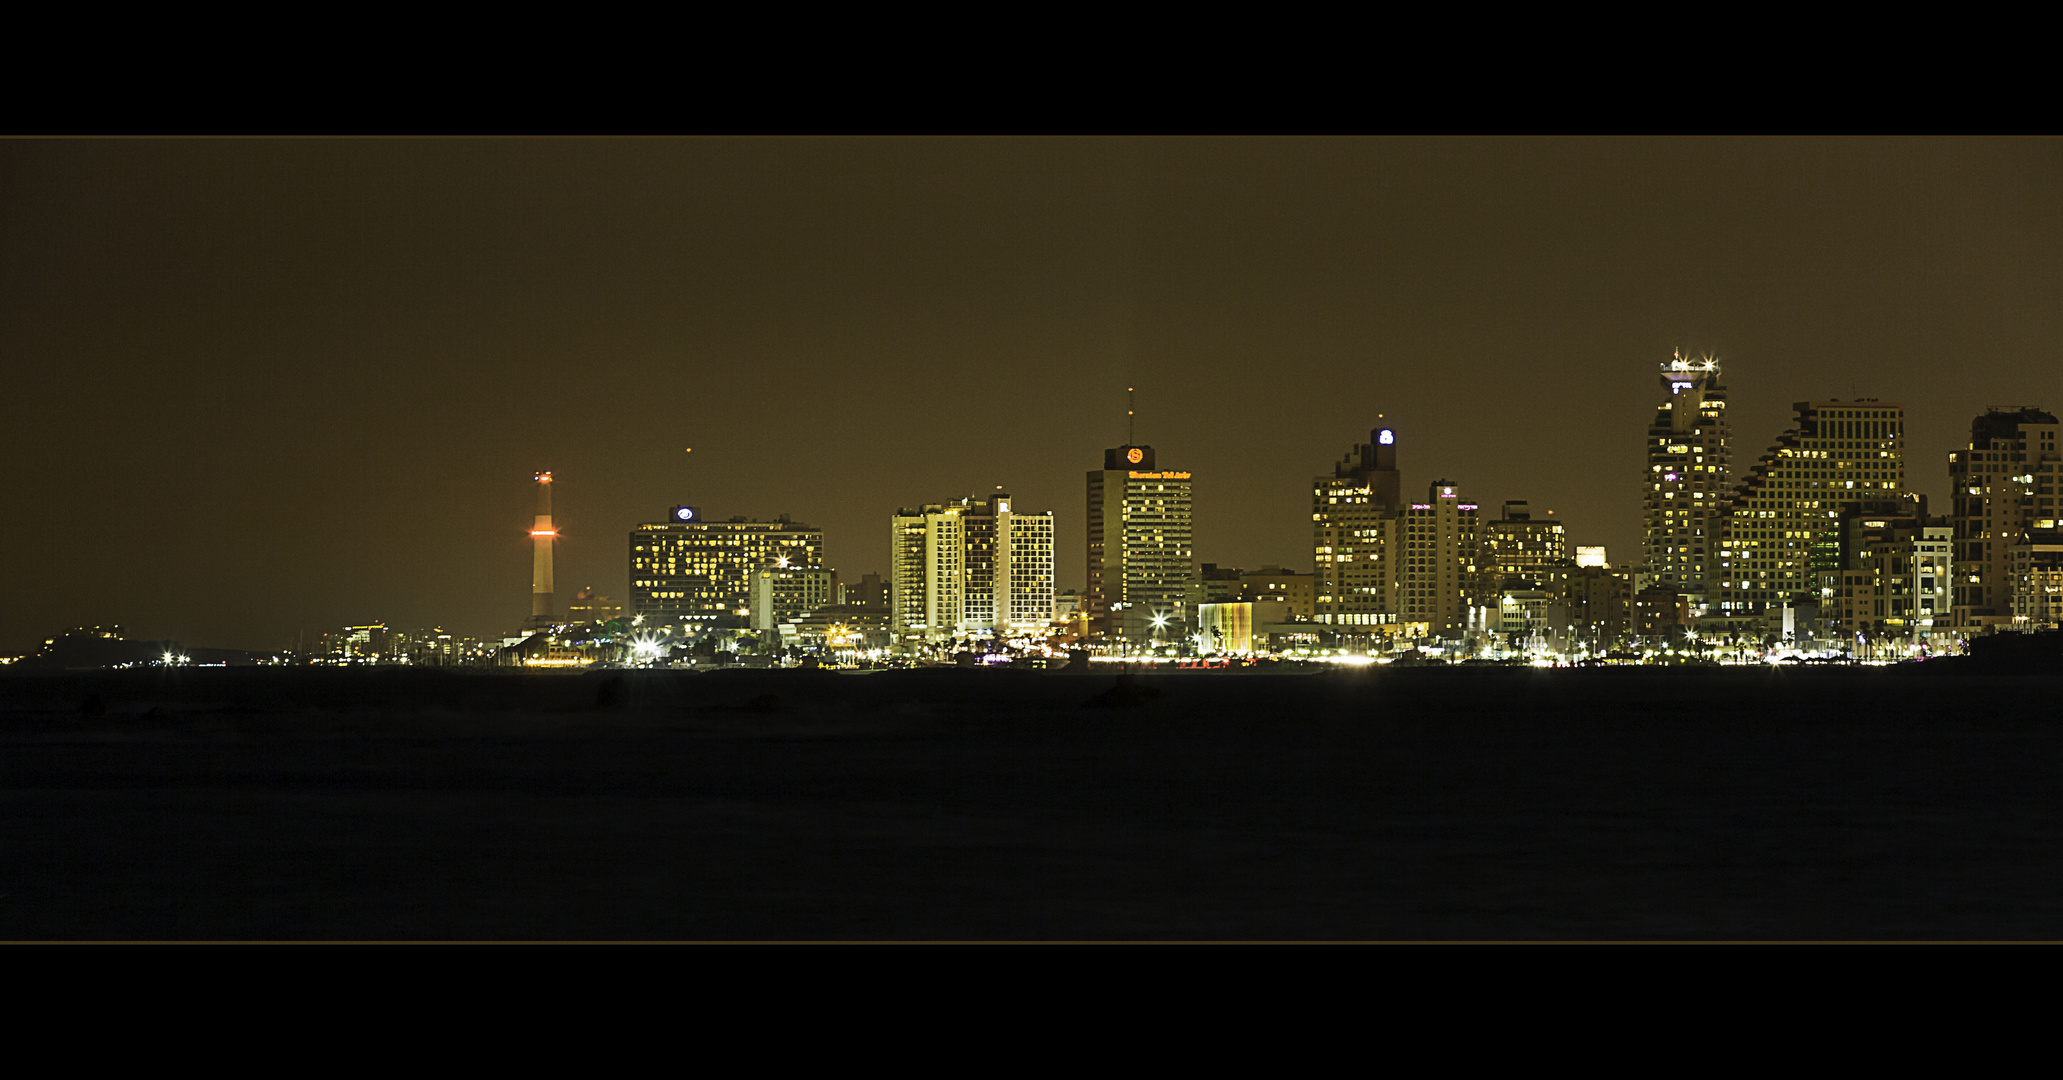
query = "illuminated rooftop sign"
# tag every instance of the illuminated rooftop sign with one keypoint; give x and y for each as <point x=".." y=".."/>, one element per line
<point x="1159" y="475"/>
<point x="1386" y="436"/>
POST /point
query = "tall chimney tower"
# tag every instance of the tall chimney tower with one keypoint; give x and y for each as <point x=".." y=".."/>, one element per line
<point x="541" y="536"/>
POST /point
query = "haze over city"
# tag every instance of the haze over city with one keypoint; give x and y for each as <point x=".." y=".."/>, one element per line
<point x="275" y="386"/>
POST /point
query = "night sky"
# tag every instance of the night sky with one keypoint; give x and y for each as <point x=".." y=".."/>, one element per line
<point x="257" y="388"/>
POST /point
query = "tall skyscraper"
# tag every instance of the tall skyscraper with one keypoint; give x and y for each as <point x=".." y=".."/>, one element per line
<point x="2006" y="485"/>
<point x="1688" y="476"/>
<point x="1440" y="558"/>
<point x="927" y="573"/>
<point x="970" y="567"/>
<point x="1019" y="597"/>
<point x="1782" y="526"/>
<point x="1140" y="553"/>
<point x="699" y="573"/>
<point x="1355" y="515"/>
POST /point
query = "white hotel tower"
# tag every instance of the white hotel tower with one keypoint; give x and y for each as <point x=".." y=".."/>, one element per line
<point x="969" y="568"/>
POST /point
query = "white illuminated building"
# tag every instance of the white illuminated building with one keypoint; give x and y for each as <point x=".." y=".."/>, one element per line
<point x="970" y="568"/>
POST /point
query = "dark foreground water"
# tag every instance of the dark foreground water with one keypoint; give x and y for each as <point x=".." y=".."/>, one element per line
<point x="977" y="804"/>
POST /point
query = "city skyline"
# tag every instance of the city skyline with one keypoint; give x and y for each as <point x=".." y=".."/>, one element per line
<point x="336" y="391"/>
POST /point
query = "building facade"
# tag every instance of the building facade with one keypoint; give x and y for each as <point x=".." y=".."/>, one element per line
<point x="1141" y="552"/>
<point x="1214" y="584"/>
<point x="2035" y="567"/>
<point x="970" y="568"/>
<point x="699" y="574"/>
<point x="783" y="596"/>
<point x="1522" y="547"/>
<point x="1889" y="596"/>
<point x="1782" y="525"/>
<point x="1356" y="515"/>
<point x="1009" y="568"/>
<point x="927" y="573"/>
<point x="1599" y="599"/>
<point x="1689" y="472"/>
<point x="2005" y="485"/>
<point x="1439" y="557"/>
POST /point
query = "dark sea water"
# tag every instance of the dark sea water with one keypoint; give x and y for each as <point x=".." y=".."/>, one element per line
<point x="1915" y="802"/>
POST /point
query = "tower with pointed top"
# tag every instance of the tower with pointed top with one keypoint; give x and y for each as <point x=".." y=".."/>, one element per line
<point x="1687" y="480"/>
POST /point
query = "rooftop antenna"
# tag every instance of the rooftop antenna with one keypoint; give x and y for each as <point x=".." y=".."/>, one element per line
<point x="1130" y="439"/>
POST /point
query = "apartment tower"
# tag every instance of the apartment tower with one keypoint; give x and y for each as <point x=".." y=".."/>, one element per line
<point x="2005" y="486"/>
<point x="970" y="568"/>
<point x="1688" y="475"/>
<point x="1439" y="560"/>
<point x="1355" y="514"/>
<point x="1783" y="526"/>
<point x="1140" y="554"/>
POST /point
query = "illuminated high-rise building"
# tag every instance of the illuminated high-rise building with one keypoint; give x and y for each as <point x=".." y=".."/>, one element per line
<point x="699" y="573"/>
<point x="927" y="572"/>
<point x="1140" y="553"/>
<point x="1891" y="591"/>
<point x="1782" y="526"/>
<point x="1687" y="478"/>
<point x="970" y="568"/>
<point x="1021" y="596"/>
<point x="2006" y="484"/>
<point x="2035" y="567"/>
<point x="1439" y="556"/>
<point x="1355" y="516"/>
<point x="1521" y="546"/>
